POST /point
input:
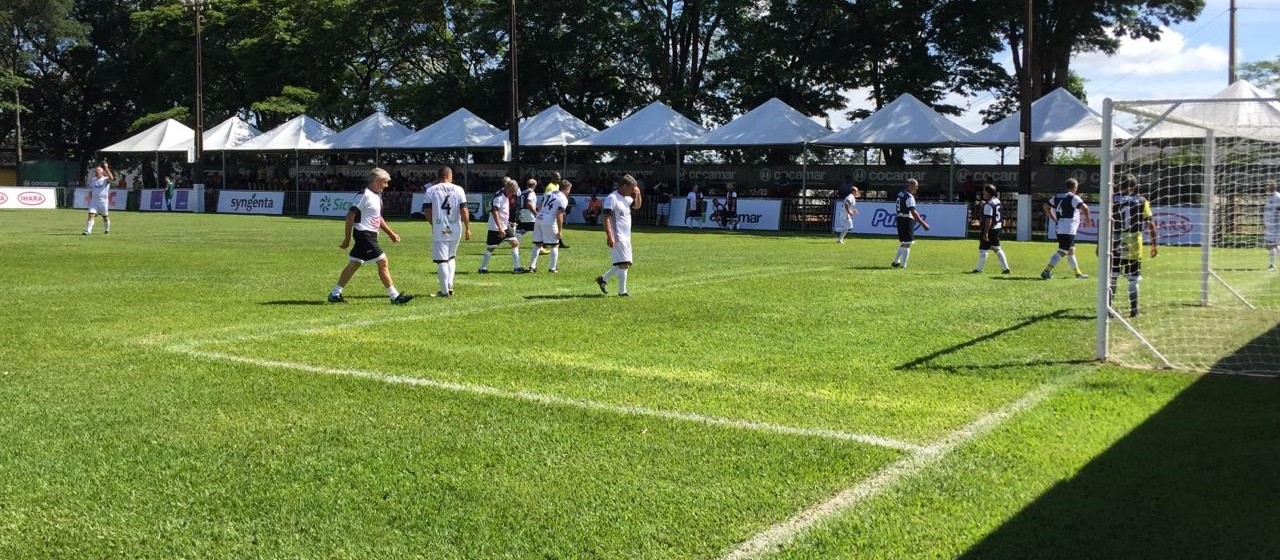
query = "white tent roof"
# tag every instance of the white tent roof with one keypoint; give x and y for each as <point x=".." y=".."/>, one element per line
<point x="299" y="133"/>
<point x="228" y="133"/>
<point x="374" y="132"/>
<point x="554" y="126"/>
<point x="1057" y="118"/>
<point x="656" y="125"/>
<point x="460" y="129"/>
<point x="906" y="121"/>
<point x="165" y="136"/>
<point x="1259" y="120"/>
<point x="773" y="123"/>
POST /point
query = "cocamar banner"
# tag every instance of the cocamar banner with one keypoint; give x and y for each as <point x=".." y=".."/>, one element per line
<point x="251" y="202"/>
<point x="753" y="213"/>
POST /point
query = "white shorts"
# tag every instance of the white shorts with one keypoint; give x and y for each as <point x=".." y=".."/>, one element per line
<point x="99" y="207"/>
<point x="546" y="233"/>
<point x="621" y="252"/>
<point x="1272" y="237"/>
<point x="441" y="250"/>
<point x="843" y="223"/>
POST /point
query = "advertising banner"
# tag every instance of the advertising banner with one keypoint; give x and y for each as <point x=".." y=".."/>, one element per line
<point x="333" y="204"/>
<point x="28" y="197"/>
<point x="1176" y="225"/>
<point x="763" y="214"/>
<point x="251" y="202"/>
<point x="881" y="218"/>
<point x="153" y="200"/>
<point x="117" y="199"/>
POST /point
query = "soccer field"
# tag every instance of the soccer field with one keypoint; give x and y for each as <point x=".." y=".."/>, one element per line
<point x="180" y="389"/>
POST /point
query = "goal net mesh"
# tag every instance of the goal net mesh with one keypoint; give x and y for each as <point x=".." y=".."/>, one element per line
<point x="1208" y="300"/>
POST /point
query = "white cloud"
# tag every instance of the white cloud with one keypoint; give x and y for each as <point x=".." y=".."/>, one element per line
<point x="1170" y="55"/>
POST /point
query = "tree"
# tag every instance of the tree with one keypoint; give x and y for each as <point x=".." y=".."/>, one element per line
<point x="1263" y="73"/>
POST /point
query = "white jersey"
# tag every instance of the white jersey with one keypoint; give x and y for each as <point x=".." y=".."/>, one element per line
<point x="100" y="189"/>
<point x="499" y="212"/>
<point x="370" y="207"/>
<point x="552" y="204"/>
<point x="619" y="207"/>
<point x="445" y="200"/>
<point x="1271" y="212"/>
<point x="1067" y="206"/>
<point x="526" y="199"/>
<point x="844" y="221"/>
<point x="991" y="210"/>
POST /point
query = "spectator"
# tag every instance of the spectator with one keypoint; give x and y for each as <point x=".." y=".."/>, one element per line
<point x="591" y="214"/>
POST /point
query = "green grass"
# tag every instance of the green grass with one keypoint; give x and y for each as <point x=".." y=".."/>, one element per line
<point x="119" y="440"/>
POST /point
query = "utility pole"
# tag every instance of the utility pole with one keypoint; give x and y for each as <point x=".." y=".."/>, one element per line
<point x="1024" y="128"/>
<point x="513" y="109"/>
<point x="1231" y="47"/>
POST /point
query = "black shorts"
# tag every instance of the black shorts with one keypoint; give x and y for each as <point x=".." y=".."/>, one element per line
<point x="906" y="229"/>
<point x="992" y="240"/>
<point x="1127" y="267"/>
<point x="496" y="238"/>
<point x="1066" y="241"/>
<point x="524" y="227"/>
<point x="366" y="248"/>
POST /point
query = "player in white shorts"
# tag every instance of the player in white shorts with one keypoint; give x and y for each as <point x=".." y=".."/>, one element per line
<point x="100" y="198"/>
<point x="617" y="230"/>
<point x="546" y="231"/>
<point x="845" y="211"/>
<point x="526" y="210"/>
<point x="1271" y="223"/>
<point x="499" y="226"/>
<point x="445" y="206"/>
<point x="365" y="217"/>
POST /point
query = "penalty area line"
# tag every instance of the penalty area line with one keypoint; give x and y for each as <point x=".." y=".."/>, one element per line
<point x="777" y="537"/>
<point x="563" y="402"/>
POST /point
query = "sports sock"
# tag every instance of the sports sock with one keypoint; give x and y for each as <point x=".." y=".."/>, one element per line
<point x="555" y="257"/>
<point x="906" y="254"/>
<point x="1274" y="252"/>
<point x="106" y="225"/>
<point x="1075" y="265"/>
<point x="1133" y="295"/>
<point x="484" y="259"/>
<point x="982" y="260"/>
<point x="336" y="291"/>
<point x="442" y="275"/>
<point x="88" y="226"/>
<point x="392" y="292"/>
<point x="622" y="280"/>
<point x="533" y="263"/>
<point x="515" y="256"/>
<point x="898" y="257"/>
<point x="453" y="271"/>
<point x="609" y="273"/>
<point x="1004" y="262"/>
<point x="842" y="234"/>
<point x="1053" y="260"/>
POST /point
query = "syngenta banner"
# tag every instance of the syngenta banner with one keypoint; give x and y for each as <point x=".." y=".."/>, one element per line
<point x="331" y="203"/>
<point x="251" y="202"/>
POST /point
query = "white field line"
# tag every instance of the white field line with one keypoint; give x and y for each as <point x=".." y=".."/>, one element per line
<point x="777" y="537"/>
<point x="313" y="327"/>
<point x="553" y="400"/>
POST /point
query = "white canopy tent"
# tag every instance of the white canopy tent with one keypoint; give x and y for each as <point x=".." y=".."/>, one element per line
<point x="553" y="127"/>
<point x="165" y="136"/>
<point x="231" y="132"/>
<point x="772" y="124"/>
<point x="301" y="133"/>
<point x="1259" y="120"/>
<point x="655" y="126"/>
<point x="375" y="132"/>
<point x="1058" y="118"/>
<point x="459" y="129"/>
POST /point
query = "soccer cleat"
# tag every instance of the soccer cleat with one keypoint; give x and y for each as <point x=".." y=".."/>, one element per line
<point x="841" y="241"/>
<point x="107" y="232"/>
<point x="1133" y="312"/>
<point x="336" y="298"/>
<point x="482" y="271"/>
<point x="624" y="294"/>
<point x="544" y="251"/>
<point x="604" y="284"/>
<point x="976" y="271"/>
<point x="402" y="299"/>
<point x="1082" y="276"/>
<point x="520" y="270"/>
<point x="1005" y="271"/>
<point x="531" y="270"/>
<point x="1044" y="274"/>
<point x="896" y="264"/>
<point x="84" y="233"/>
<point x="553" y="271"/>
<point x="1272" y="267"/>
<point x="441" y="294"/>
<point x="563" y="245"/>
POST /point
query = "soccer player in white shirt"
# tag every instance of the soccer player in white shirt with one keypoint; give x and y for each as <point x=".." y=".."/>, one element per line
<point x="1068" y="211"/>
<point x="365" y="217"/>
<point x="907" y="218"/>
<point x="499" y="230"/>
<point x="546" y="232"/>
<point x="445" y="206"/>
<point x="1271" y="223"/>
<point x="693" y="207"/>
<point x="845" y="211"/>
<point x="527" y="210"/>
<point x="100" y="198"/>
<point x="991" y="220"/>
<point x="617" y="230"/>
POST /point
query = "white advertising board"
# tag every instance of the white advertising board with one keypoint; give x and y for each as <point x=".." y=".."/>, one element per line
<point x="331" y="203"/>
<point x="28" y="197"/>
<point x="153" y="200"/>
<point x="117" y="199"/>
<point x="251" y="202"/>
<point x="753" y="213"/>
<point x="1176" y="225"/>
<point x="881" y="218"/>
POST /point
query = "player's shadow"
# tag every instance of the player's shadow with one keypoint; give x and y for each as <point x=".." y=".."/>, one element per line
<point x="1011" y="278"/>
<point x="1197" y="479"/>
<point x="926" y="360"/>
<point x="563" y="296"/>
<point x="865" y="267"/>
<point x="314" y="301"/>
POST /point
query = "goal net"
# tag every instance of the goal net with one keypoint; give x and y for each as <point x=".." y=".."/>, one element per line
<point x="1198" y="174"/>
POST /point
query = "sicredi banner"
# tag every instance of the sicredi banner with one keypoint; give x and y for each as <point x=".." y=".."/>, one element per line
<point x="153" y="200"/>
<point x="881" y="218"/>
<point x="331" y="203"/>
<point x="477" y="205"/>
<point x="1176" y="225"/>
<point x="251" y="202"/>
<point x="28" y="198"/>
<point x="117" y="199"/>
<point x="763" y="214"/>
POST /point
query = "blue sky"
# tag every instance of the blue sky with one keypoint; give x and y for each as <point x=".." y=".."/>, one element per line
<point x="1189" y="61"/>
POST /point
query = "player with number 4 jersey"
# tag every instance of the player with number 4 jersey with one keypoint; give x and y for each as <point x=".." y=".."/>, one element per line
<point x="446" y="208"/>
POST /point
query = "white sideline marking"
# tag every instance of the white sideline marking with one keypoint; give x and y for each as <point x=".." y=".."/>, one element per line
<point x="553" y="400"/>
<point x="778" y="536"/>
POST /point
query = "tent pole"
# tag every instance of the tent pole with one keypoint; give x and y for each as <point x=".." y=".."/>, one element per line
<point x="679" y="160"/>
<point x="158" y="185"/>
<point x="224" y="169"/>
<point x="951" y="184"/>
<point x="466" y="165"/>
<point x="297" y="171"/>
